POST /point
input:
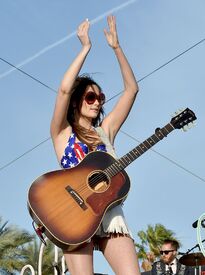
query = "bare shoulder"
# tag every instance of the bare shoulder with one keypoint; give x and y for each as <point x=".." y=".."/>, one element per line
<point x="60" y="141"/>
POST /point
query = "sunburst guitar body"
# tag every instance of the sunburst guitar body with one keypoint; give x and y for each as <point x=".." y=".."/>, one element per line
<point x="70" y="204"/>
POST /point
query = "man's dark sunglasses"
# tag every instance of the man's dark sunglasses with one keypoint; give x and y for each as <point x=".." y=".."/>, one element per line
<point x="166" y="252"/>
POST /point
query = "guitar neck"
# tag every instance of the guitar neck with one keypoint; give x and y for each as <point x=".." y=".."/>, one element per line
<point x="127" y="159"/>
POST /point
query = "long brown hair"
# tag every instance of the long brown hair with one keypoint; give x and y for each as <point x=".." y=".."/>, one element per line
<point x="89" y="137"/>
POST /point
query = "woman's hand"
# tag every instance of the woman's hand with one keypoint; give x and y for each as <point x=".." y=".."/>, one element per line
<point x="82" y="33"/>
<point x="111" y="35"/>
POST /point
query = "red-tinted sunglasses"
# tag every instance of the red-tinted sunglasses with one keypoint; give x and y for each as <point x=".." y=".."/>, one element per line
<point x="91" y="97"/>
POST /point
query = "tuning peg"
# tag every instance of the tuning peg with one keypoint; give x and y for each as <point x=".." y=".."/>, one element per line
<point x="181" y="110"/>
<point x="190" y="125"/>
<point x="175" y="114"/>
<point x="178" y="112"/>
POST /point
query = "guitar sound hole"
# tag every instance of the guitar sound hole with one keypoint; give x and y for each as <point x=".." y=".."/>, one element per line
<point x="98" y="181"/>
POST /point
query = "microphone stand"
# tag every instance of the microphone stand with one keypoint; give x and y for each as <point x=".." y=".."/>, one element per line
<point x="196" y="246"/>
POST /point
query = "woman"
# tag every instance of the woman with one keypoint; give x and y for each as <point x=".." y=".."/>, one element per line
<point x="78" y="111"/>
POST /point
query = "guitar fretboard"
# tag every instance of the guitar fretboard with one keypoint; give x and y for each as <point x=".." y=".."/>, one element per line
<point x="127" y="159"/>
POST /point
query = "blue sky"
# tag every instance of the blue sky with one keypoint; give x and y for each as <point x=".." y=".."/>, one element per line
<point x="168" y="184"/>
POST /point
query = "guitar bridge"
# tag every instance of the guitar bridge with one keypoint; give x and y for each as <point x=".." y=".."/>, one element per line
<point x="76" y="197"/>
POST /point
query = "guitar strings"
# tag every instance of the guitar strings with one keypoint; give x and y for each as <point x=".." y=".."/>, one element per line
<point x="96" y="177"/>
<point x="93" y="181"/>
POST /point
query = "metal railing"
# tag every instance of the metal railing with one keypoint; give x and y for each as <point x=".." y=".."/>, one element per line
<point x="56" y="270"/>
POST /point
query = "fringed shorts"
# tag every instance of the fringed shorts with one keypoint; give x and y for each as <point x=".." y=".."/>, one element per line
<point x="113" y="224"/>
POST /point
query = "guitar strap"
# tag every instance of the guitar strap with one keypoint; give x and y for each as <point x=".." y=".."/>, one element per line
<point x="114" y="220"/>
<point x="106" y="141"/>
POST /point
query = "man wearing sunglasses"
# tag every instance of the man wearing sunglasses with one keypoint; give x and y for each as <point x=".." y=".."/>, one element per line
<point x="168" y="263"/>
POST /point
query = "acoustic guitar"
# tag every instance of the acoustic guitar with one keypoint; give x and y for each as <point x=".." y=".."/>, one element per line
<point x="69" y="204"/>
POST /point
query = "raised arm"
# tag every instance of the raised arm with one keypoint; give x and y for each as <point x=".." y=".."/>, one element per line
<point x="117" y="116"/>
<point x="59" y="121"/>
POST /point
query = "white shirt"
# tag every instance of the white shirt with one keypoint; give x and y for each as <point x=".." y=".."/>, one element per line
<point x="173" y="266"/>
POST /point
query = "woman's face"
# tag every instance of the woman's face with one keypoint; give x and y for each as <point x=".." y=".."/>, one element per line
<point x="91" y="102"/>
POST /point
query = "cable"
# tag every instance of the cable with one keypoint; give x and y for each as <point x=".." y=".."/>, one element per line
<point x="165" y="64"/>
<point x="27" y="74"/>
<point x="161" y="155"/>
<point x="141" y="79"/>
<point x="170" y="160"/>
<point x="25" y="153"/>
<point x="169" y="61"/>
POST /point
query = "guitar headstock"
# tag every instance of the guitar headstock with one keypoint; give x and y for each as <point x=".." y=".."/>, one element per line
<point x="184" y="118"/>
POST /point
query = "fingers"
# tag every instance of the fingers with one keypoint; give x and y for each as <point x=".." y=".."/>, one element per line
<point x="111" y="22"/>
<point x="84" y="25"/>
<point x="111" y="34"/>
<point x="82" y="32"/>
